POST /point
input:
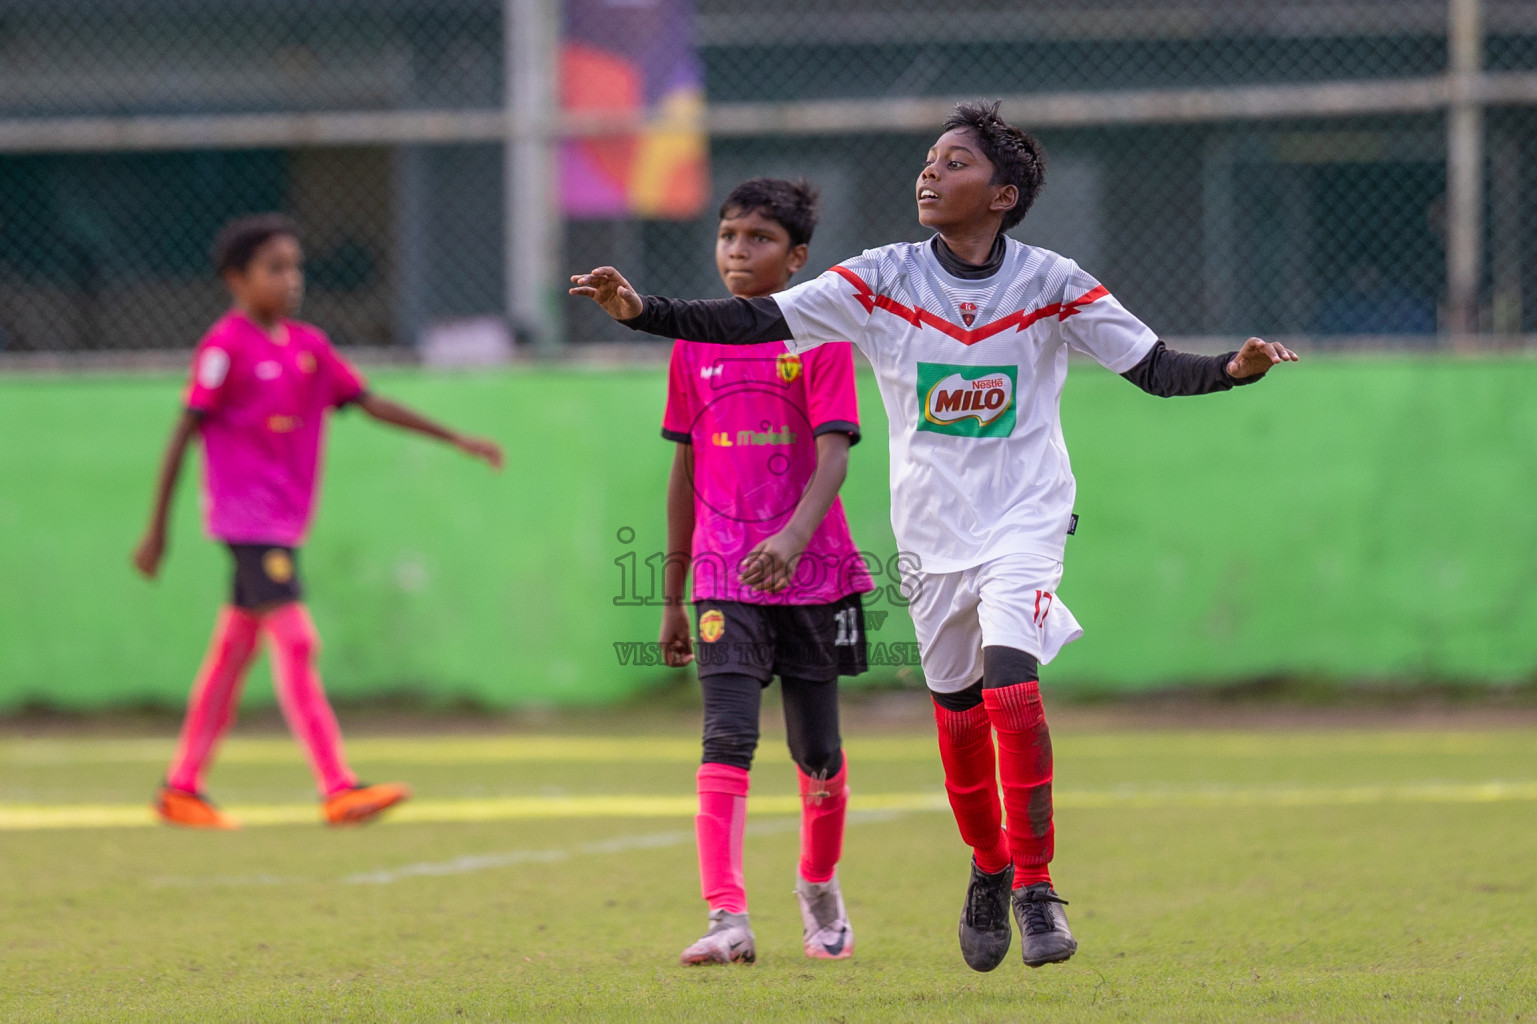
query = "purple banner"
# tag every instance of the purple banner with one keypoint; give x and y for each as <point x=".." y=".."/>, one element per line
<point x="637" y="58"/>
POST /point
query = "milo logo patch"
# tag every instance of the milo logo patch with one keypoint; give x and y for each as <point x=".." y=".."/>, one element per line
<point x="968" y="401"/>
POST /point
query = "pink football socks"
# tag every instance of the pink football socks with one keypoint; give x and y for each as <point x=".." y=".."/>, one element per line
<point x="718" y="828"/>
<point x="215" y="693"/>
<point x="824" y="802"/>
<point x="295" y="649"/>
<point x="295" y="646"/>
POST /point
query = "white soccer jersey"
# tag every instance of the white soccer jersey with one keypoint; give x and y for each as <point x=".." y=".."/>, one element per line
<point x="971" y="373"/>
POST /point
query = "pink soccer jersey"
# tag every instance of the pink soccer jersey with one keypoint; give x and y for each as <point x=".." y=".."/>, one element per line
<point x="264" y="406"/>
<point x="752" y="414"/>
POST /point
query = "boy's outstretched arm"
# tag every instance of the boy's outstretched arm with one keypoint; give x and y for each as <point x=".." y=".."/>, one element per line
<point x="771" y="565"/>
<point x="151" y="548"/>
<point x="1167" y="373"/>
<point x="386" y="411"/>
<point x="733" y="321"/>
<point x="677" y="639"/>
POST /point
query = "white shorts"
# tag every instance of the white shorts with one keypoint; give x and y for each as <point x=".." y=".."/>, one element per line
<point x="1008" y="602"/>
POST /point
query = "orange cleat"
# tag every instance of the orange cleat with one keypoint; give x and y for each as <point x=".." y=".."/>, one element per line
<point x="362" y="804"/>
<point x="190" y="810"/>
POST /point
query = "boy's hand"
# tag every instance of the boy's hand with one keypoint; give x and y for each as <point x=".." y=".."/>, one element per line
<point x="147" y="556"/>
<point x="677" y="639"/>
<point x="486" y="451"/>
<point x="1256" y="357"/>
<point x="609" y="289"/>
<point x="770" y="566"/>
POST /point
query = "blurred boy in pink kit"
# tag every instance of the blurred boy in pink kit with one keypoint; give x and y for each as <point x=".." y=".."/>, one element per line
<point x="261" y="387"/>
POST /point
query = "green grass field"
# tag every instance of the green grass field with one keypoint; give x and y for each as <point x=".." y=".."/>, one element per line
<point x="1287" y="875"/>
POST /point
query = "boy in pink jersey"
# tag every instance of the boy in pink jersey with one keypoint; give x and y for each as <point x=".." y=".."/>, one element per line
<point x="752" y="505"/>
<point x="261" y="387"/>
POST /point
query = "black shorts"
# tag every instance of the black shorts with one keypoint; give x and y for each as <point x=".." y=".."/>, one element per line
<point x="265" y="574"/>
<point x="815" y="642"/>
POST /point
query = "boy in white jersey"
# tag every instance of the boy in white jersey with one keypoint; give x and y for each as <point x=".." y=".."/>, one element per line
<point x="969" y="335"/>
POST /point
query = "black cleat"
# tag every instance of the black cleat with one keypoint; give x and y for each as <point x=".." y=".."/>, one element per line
<point x="1044" y="937"/>
<point x="985" y="932"/>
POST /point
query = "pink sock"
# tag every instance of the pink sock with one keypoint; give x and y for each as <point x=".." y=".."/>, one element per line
<point x="823" y="803"/>
<point x="295" y="649"/>
<point x="210" y="708"/>
<point x="718" y="828"/>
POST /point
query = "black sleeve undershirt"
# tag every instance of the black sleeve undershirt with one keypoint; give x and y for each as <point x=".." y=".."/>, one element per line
<point x="736" y="321"/>
<point x="1167" y="373"/>
<point x="732" y="321"/>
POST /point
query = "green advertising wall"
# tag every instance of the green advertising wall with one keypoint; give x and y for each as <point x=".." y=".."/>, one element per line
<point x="1356" y="519"/>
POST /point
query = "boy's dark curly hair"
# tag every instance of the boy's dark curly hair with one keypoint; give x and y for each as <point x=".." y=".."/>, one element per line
<point x="791" y="204"/>
<point x="1015" y="154"/>
<point x="239" y="239"/>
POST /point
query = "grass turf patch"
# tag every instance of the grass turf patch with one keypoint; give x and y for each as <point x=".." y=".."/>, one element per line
<point x="1202" y="887"/>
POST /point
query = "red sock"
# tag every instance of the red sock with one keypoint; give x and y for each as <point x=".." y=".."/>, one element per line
<point x="1024" y="763"/>
<point x="295" y="650"/>
<point x="718" y="829"/>
<point x="215" y="692"/>
<point x="971" y="781"/>
<point x="824" y="802"/>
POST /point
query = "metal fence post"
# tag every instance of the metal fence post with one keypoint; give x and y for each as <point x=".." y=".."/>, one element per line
<point x="1464" y="169"/>
<point x="531" y="211"/>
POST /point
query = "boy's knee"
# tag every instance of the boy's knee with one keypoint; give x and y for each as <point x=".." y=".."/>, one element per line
<point x="819" y="760"/>
<point x="731" y="719"/>
<point x="303" y="645"/>
<point x="237" y="647"/>
<point x="237" y="633"/>
<point x="294" y="632"/>
<point x="730" y="746"/>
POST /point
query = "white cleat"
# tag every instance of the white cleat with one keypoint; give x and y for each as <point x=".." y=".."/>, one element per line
<point x="728" y="941"/>
<point x="828" y="935"/>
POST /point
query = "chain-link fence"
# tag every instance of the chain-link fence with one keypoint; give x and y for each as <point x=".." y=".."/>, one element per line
<point x="1335" y="169"/>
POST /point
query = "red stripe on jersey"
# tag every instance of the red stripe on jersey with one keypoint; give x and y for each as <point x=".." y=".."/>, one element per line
<point x="920" y="317"/>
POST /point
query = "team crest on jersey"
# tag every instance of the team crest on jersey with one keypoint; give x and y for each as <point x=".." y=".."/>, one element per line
<point x="788" y="366"/>
<point x="213" y="368"/>
<point x="711" y="625"/>
<point x="967" y="401"/>
<point x="968" y="313"/>
<point x="278" y="566"/>
<point x="306" y="362"/>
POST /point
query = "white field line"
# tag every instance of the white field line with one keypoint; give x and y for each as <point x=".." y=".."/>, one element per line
<point x="15" y="817"/>
<point x="511" y="858"/>
<point x="617" y="844"/>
